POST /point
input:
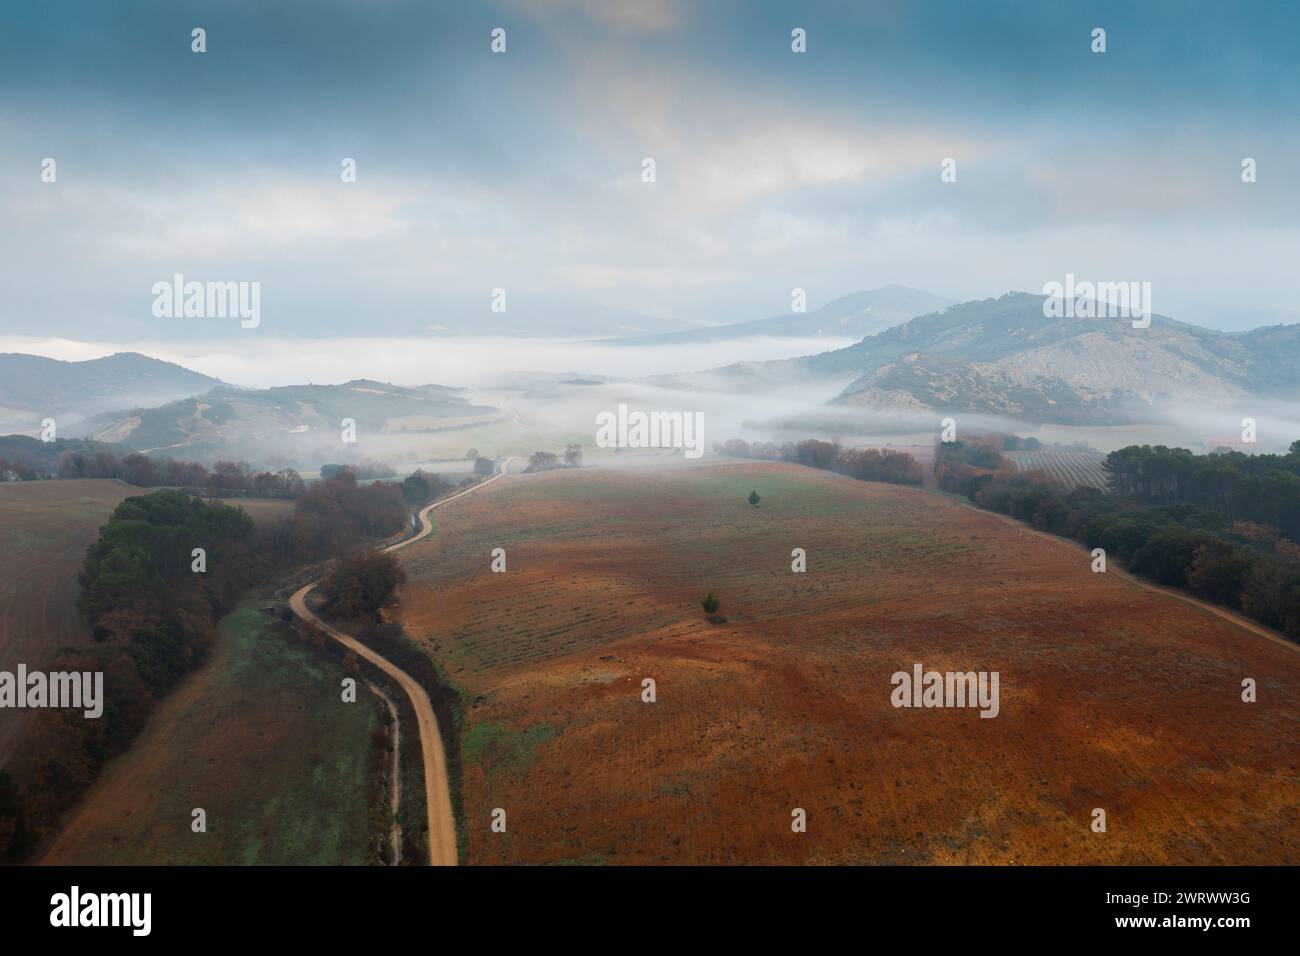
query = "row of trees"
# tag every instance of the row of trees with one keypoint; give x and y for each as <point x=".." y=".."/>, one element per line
<point x="865" y="464"/>
<point x="19" y="469"/>
<point x="364" y="470"/>
<point x="1259" y="488"/>
<point x="224" y="479"/>
<point x="233" y="479"/>
<point x="1250" y="566"/>
<point x="548" y="460"/>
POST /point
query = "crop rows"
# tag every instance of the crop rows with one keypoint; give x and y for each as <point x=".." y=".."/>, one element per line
<point x="1071" y="469"/>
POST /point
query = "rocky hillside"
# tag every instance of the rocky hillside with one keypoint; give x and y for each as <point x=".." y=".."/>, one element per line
<point x="1003" y="357"/>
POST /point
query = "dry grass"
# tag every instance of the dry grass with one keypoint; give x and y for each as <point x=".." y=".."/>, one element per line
<point x="1112" y="696"/>
<point x="261" y="740"/>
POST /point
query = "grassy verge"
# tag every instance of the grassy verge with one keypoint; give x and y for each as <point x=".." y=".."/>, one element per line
<point x="261" y="740"/>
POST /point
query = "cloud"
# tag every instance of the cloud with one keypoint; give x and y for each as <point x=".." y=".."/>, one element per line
<point x="623" y="16"/>
<point x="239" y="217"/>
<point x="597" y="276"/>
<point x="523" y="171"/>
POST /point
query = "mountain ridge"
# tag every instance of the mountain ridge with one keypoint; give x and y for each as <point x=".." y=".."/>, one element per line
<point x="294" y="419"/>
<point x="35" y="386"/>
<point x="849" y="316"/>
<point x="1003" y="356"/>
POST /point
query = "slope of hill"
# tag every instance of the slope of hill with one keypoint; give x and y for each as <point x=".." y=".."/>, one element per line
<point x="33" y="386"/>
<point x="247" y="423"/>
<point x="1003" y="357"/>
<point x="1111" y="695"/>
<point x="854" y="315"/>
<point x="1275" y="350"/>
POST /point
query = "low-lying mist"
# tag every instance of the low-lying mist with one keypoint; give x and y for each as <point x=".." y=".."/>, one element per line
<point x="550" y="392"/>
<point x="262" y="360"/>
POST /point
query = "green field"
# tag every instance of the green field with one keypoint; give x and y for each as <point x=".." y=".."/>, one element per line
<point x="261" y="740"/>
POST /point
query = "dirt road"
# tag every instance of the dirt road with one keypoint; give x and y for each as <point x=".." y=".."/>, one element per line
<point x="442" y="824"/>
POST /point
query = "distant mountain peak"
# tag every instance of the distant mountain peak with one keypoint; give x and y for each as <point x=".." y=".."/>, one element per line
<point x="1003" y="356"/>
<point x="35" y="386"/>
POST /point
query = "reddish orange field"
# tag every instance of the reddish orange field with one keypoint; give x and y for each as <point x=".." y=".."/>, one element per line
<point x="1112" y="696"/>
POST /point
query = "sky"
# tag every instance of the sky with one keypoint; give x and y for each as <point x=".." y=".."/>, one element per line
<point x="522" y="170"/>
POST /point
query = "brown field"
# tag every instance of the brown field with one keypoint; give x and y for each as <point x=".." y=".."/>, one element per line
<point x="45" y="528"/>
<point x="262" y="510"/>
<point x="1111" y="696"/>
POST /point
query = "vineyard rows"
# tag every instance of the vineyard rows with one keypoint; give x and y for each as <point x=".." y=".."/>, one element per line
<point x="1071" y="469"/>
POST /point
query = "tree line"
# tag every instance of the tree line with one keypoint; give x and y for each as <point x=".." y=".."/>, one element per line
<point x="865" y="464"/>
<point x="1159" y="520"/>
<point x="1257" y="488"/>
<point x="224" y="479"/>
<point x="19" y="469"/>
<point x="549" y="460"/>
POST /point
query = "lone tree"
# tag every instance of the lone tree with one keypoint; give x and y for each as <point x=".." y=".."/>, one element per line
<point x="754" y="499"/>
<point x="711" y="603"/>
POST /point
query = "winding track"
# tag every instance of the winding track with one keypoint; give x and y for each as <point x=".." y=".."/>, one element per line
<point x="442" y="824"/>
